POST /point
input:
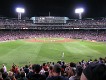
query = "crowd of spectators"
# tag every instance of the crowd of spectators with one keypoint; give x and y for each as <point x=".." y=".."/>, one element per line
<point x="83" y="70"/>
<point x="19" y="24"/>
<point x="87" y="23"/>
<point x="97" y="35"/>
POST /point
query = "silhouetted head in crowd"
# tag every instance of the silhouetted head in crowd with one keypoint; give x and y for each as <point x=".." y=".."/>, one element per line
<point x="2" y="70"/>
<point x="94" y="72"/>
<point x="7" y="78"/>
<point x="22" y="74"/>
<point x="72" y="64"/>
<point x="36" y="68"/>
<point x="59" y="62"/>
<point x="56" y="69"/>
<point x="79" y="70"/>
<point x="51" y="68"/>
<point x="10" y="73"/>
<point x="4" y="75"/>
<point x="26" y="66"/>
<point x="44" y="64"/>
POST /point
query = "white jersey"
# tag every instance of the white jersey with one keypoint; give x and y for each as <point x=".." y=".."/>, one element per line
<point x="5" y="69"/>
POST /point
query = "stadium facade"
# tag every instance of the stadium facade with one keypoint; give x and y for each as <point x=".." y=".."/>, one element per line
<point x="88" y="29"/>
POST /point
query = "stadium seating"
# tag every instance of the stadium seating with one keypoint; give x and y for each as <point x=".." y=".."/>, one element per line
<point x="90" y="70"/>
<point x="12" y="29"/>
<point x="94" y="30"/>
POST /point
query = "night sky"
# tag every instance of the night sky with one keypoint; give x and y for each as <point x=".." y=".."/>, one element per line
<point x="93" y="8"/>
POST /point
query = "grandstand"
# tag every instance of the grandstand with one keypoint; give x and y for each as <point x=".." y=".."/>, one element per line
<point x="91" y="29"/>
<point x="76" y="44"/>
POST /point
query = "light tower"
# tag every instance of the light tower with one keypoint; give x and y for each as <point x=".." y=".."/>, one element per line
<point x="20" y="11"/>
<point x="79" y="11"/>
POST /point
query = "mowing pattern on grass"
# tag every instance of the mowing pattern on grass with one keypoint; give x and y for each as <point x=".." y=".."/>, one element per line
<point x="22" y="52"/>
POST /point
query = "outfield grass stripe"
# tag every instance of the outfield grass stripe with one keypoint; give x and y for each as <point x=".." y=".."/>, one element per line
<point x="50" y="49"/>
<point x="79" y="48"/>
<point x="10" y="53"/>
<point x="37" y="50"/>
<point x="22" y="52"/>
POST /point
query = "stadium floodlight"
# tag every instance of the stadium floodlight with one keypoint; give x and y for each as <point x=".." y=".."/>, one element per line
<point x="20" y="11"/>
<point x="79" y="11"/>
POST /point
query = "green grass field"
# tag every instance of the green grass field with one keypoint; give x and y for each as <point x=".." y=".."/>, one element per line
<point x="22" y="52"/>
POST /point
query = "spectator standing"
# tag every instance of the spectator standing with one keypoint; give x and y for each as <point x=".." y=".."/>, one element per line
<point x="4" y="68"/>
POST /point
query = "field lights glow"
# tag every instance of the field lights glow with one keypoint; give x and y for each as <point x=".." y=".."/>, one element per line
<point x="20" y="10"/>
<point x="79" y="10"/>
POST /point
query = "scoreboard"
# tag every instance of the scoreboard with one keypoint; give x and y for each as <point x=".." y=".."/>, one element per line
<point x="49" y="19"/>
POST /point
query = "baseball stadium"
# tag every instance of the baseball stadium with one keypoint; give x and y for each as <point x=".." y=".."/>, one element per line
<point x="51" y="39"/>
<point x="44" y="40"/>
